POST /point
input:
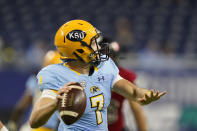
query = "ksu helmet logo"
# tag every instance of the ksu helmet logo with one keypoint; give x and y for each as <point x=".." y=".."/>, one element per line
<point x="76" y="35"/>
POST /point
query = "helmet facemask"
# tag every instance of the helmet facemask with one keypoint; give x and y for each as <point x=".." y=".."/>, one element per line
<point x="101" y="53"/>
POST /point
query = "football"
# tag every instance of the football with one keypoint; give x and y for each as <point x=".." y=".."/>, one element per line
<point x="73" y="104"/>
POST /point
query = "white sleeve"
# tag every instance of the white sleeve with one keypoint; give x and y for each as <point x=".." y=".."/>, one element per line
<point x="48" y="94"/>
<point x="118" y="77"/>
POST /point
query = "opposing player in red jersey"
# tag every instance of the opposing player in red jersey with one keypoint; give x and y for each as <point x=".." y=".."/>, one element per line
<point x="115" y="114"/>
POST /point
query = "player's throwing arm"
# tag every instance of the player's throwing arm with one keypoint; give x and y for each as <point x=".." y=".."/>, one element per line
<point x="132" y="92"/>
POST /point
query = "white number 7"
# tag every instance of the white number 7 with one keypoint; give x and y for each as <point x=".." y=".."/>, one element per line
<point x="98" y="101"/>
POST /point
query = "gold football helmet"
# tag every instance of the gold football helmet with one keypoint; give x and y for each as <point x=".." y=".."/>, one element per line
<point x="51" y="57"/>
<point x="73" y="41"/>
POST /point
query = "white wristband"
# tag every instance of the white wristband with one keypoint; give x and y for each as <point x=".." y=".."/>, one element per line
<point x="3" y="129"/>
<point x="49" y="94"/>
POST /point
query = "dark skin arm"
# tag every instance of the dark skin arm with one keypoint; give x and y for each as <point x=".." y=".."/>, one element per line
<point x="24" y="102"/>
<point x="139" y="116"/>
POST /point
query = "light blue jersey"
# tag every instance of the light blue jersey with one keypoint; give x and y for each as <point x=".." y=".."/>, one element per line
<point x="32" y="87"/>
<point x="97" y="88"/>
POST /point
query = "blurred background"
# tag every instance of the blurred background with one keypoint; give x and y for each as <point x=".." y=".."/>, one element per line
<point x="157" y="40"/>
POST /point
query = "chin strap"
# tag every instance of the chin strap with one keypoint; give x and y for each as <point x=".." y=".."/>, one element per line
<point x="67" y="60"/>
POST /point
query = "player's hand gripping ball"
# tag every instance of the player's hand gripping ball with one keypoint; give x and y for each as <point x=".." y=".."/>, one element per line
<point x="73" y="104"/>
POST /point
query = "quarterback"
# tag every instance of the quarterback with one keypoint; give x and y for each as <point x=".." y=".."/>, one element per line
<point x="85" y="60"/>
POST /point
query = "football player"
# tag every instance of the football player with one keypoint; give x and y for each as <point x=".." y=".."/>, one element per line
<point x="86" y="60"/>
<point x="115" y="114"/>
<point x="31" y="94"/>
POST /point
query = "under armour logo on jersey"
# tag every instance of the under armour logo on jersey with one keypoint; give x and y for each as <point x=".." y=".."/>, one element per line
<point x="101" y="78"/>
<point x="76" y="35"/>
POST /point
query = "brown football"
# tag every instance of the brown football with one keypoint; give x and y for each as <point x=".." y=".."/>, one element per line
<point x="73" y="104"/>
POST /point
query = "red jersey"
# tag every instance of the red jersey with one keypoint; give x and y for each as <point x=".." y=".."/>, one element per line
<point x="115" y="116"/>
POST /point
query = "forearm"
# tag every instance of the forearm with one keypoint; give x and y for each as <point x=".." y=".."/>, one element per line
<point x="42" y="112"/>
<point x="18" y="110"/>
<point x="13" y="122"/>
<point x="16" y="115"/>
<point x="128" y="90"/>
<point x="139" y="115"/>
<point x="141" y="123"/>
<point x="132" y="92"/>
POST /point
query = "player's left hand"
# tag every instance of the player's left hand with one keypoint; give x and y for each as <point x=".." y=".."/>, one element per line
<point x="150" y="96"/>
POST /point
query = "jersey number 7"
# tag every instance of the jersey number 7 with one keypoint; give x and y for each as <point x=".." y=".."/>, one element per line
<point x="98" y="101"/>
